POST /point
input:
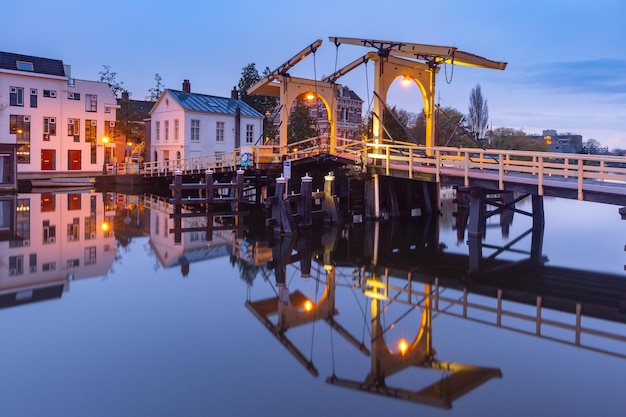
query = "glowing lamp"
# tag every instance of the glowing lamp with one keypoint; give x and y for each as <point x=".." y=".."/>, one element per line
<point x="310" y="96"/>
<point x="104" y="226"/>
<point x="308" y="305"/>
<point x="406" y="80"/>
<point x="403" y="346"/>
<point x="105" y="140"/>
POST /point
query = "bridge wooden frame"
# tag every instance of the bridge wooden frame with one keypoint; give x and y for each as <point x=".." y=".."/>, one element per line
<point x="599" y="178"/>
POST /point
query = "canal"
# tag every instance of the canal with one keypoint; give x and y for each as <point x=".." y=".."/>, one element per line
<point x="104" y="313"/>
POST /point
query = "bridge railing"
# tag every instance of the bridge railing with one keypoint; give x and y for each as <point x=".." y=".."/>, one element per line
<point x="542" y="165"/>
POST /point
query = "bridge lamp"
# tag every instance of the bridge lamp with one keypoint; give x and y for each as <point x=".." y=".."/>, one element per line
<point x="406" y="81"/>
<point x="309" y="96"/>
<point x="308" y="306"/>
<point x="403" y="346"/>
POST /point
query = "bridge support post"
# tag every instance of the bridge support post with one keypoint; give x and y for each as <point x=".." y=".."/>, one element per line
<point x="329" y="204"/>
<point x="305" y="204"/>
<point x="207" y="188"/>
<point x="177" y="190"/>
<point x="536" y="245"/>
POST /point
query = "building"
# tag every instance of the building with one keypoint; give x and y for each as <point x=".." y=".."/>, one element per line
<point x="562" y="143"/>
<point x="185" y="125"/>
<point x="130" y="130"/>
<point x="57" y="121"/>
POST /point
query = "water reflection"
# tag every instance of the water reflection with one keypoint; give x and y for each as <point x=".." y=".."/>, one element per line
<point x="401" y="275"/>
<point x="51" y="239"/>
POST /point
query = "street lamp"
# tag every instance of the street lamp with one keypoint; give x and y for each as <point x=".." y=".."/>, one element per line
<point x="105" y="142"/>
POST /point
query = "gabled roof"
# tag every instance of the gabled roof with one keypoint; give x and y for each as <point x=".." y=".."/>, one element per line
<point x="212" y="104"/>
<point x="46" y="66"/>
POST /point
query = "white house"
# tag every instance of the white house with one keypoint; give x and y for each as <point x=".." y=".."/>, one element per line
<point x="58" y="122"/>
<point x="185" y="125"/>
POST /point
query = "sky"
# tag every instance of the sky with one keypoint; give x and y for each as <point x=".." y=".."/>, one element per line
<point x="566" y="58"/>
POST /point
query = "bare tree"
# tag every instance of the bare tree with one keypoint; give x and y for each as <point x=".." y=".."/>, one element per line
<point x="110" y="77"/>
<point x="478" y="116"/>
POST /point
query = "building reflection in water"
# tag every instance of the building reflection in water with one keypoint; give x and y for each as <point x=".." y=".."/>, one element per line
<point x="50" y="239"/>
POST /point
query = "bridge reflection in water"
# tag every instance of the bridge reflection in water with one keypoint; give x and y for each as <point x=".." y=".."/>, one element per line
<point x="397" y="264"/>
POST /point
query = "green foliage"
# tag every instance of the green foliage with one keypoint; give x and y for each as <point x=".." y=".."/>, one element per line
<point x="110" y="77"/>
<point x="262" y="104"/>
<point x="515" y="139"/>
<point x="301" y="124"/>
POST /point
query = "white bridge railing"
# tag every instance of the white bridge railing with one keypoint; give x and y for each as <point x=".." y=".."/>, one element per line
<point x="542" y="167"/>
<point x="578" y="170"/>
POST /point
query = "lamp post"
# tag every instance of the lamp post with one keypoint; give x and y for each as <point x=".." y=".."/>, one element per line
<point x="105" y="142"/>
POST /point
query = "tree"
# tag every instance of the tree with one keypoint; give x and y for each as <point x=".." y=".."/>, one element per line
<point x="515" y="139"/>
<point x="478" y="115"/>
<point x="110" y="77"/>
<point x="592" y="146"/>
<point x="451" y="130"/>
<point x="263" y="104"/>
<point x="155" y="92"/>
<point x="301" y="124"/>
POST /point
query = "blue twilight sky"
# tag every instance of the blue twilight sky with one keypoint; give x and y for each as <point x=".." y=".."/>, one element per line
<point x="567" y="60"/>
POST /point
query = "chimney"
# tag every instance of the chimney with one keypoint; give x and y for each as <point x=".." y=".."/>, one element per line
<point x="234" y="94"/>
<point x="187" y="86"/>
<point x="125" y="95"/>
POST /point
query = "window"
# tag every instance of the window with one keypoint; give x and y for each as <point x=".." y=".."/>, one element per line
<point x="50" y="93"/>
<point x="32" y="262"/>
<point x="24" y="66"/>
<point x="33" y="97"/>
<point x="249" y="133"/>
<point x="73" y="129"/>
<point x="72" y="263"/>
<point x="166" y="128"/>
<point x="50" y="266"/>
<point x="91" y="130"/>
<point x="157" y="131"/>
<point x="73" y="96"/>
<point x="49" y="127"/>
<point x="16" y="96"/>
<point x="16" y="265"/>
<point x="176" y="129"/>
<point x="73" y="230"/>
<point x="90" y="255"/>
<point x="219" y="131"/>
<point x="107" y="109"/>
<point x="20" y="127"/>
<point x="195" y="130"/>
<point x="49" y="232"/>
<point x="91" y="102"/>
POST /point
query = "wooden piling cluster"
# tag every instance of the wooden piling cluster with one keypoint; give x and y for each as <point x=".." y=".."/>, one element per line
<point x="209" y="191"/>
<point x="290" y="212"/>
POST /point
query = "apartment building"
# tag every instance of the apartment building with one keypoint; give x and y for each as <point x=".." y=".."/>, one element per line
<point x="60" y="124"/>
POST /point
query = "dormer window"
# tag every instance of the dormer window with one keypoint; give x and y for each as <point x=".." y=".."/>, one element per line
<point x="24" y="66"/>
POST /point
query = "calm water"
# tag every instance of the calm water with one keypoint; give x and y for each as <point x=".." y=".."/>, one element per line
<point x="134" y="324"/>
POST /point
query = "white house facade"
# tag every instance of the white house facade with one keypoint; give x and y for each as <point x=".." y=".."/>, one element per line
<point x="58" y="122"/>
<point x="185" y="125"/>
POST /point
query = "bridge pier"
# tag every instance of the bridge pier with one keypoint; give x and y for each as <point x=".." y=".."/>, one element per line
<point x="503" y="204"/>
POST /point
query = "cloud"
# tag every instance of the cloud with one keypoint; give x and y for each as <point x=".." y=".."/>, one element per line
<point x="576" y="77"/>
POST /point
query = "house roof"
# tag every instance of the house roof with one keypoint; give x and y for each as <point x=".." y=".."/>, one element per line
<point x="212" y="104"/>
<point x="47" y="66"/>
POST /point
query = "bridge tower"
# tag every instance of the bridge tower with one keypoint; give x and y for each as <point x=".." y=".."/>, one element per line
<point x="288" y="89"/>
<point x="391" y="63"/>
